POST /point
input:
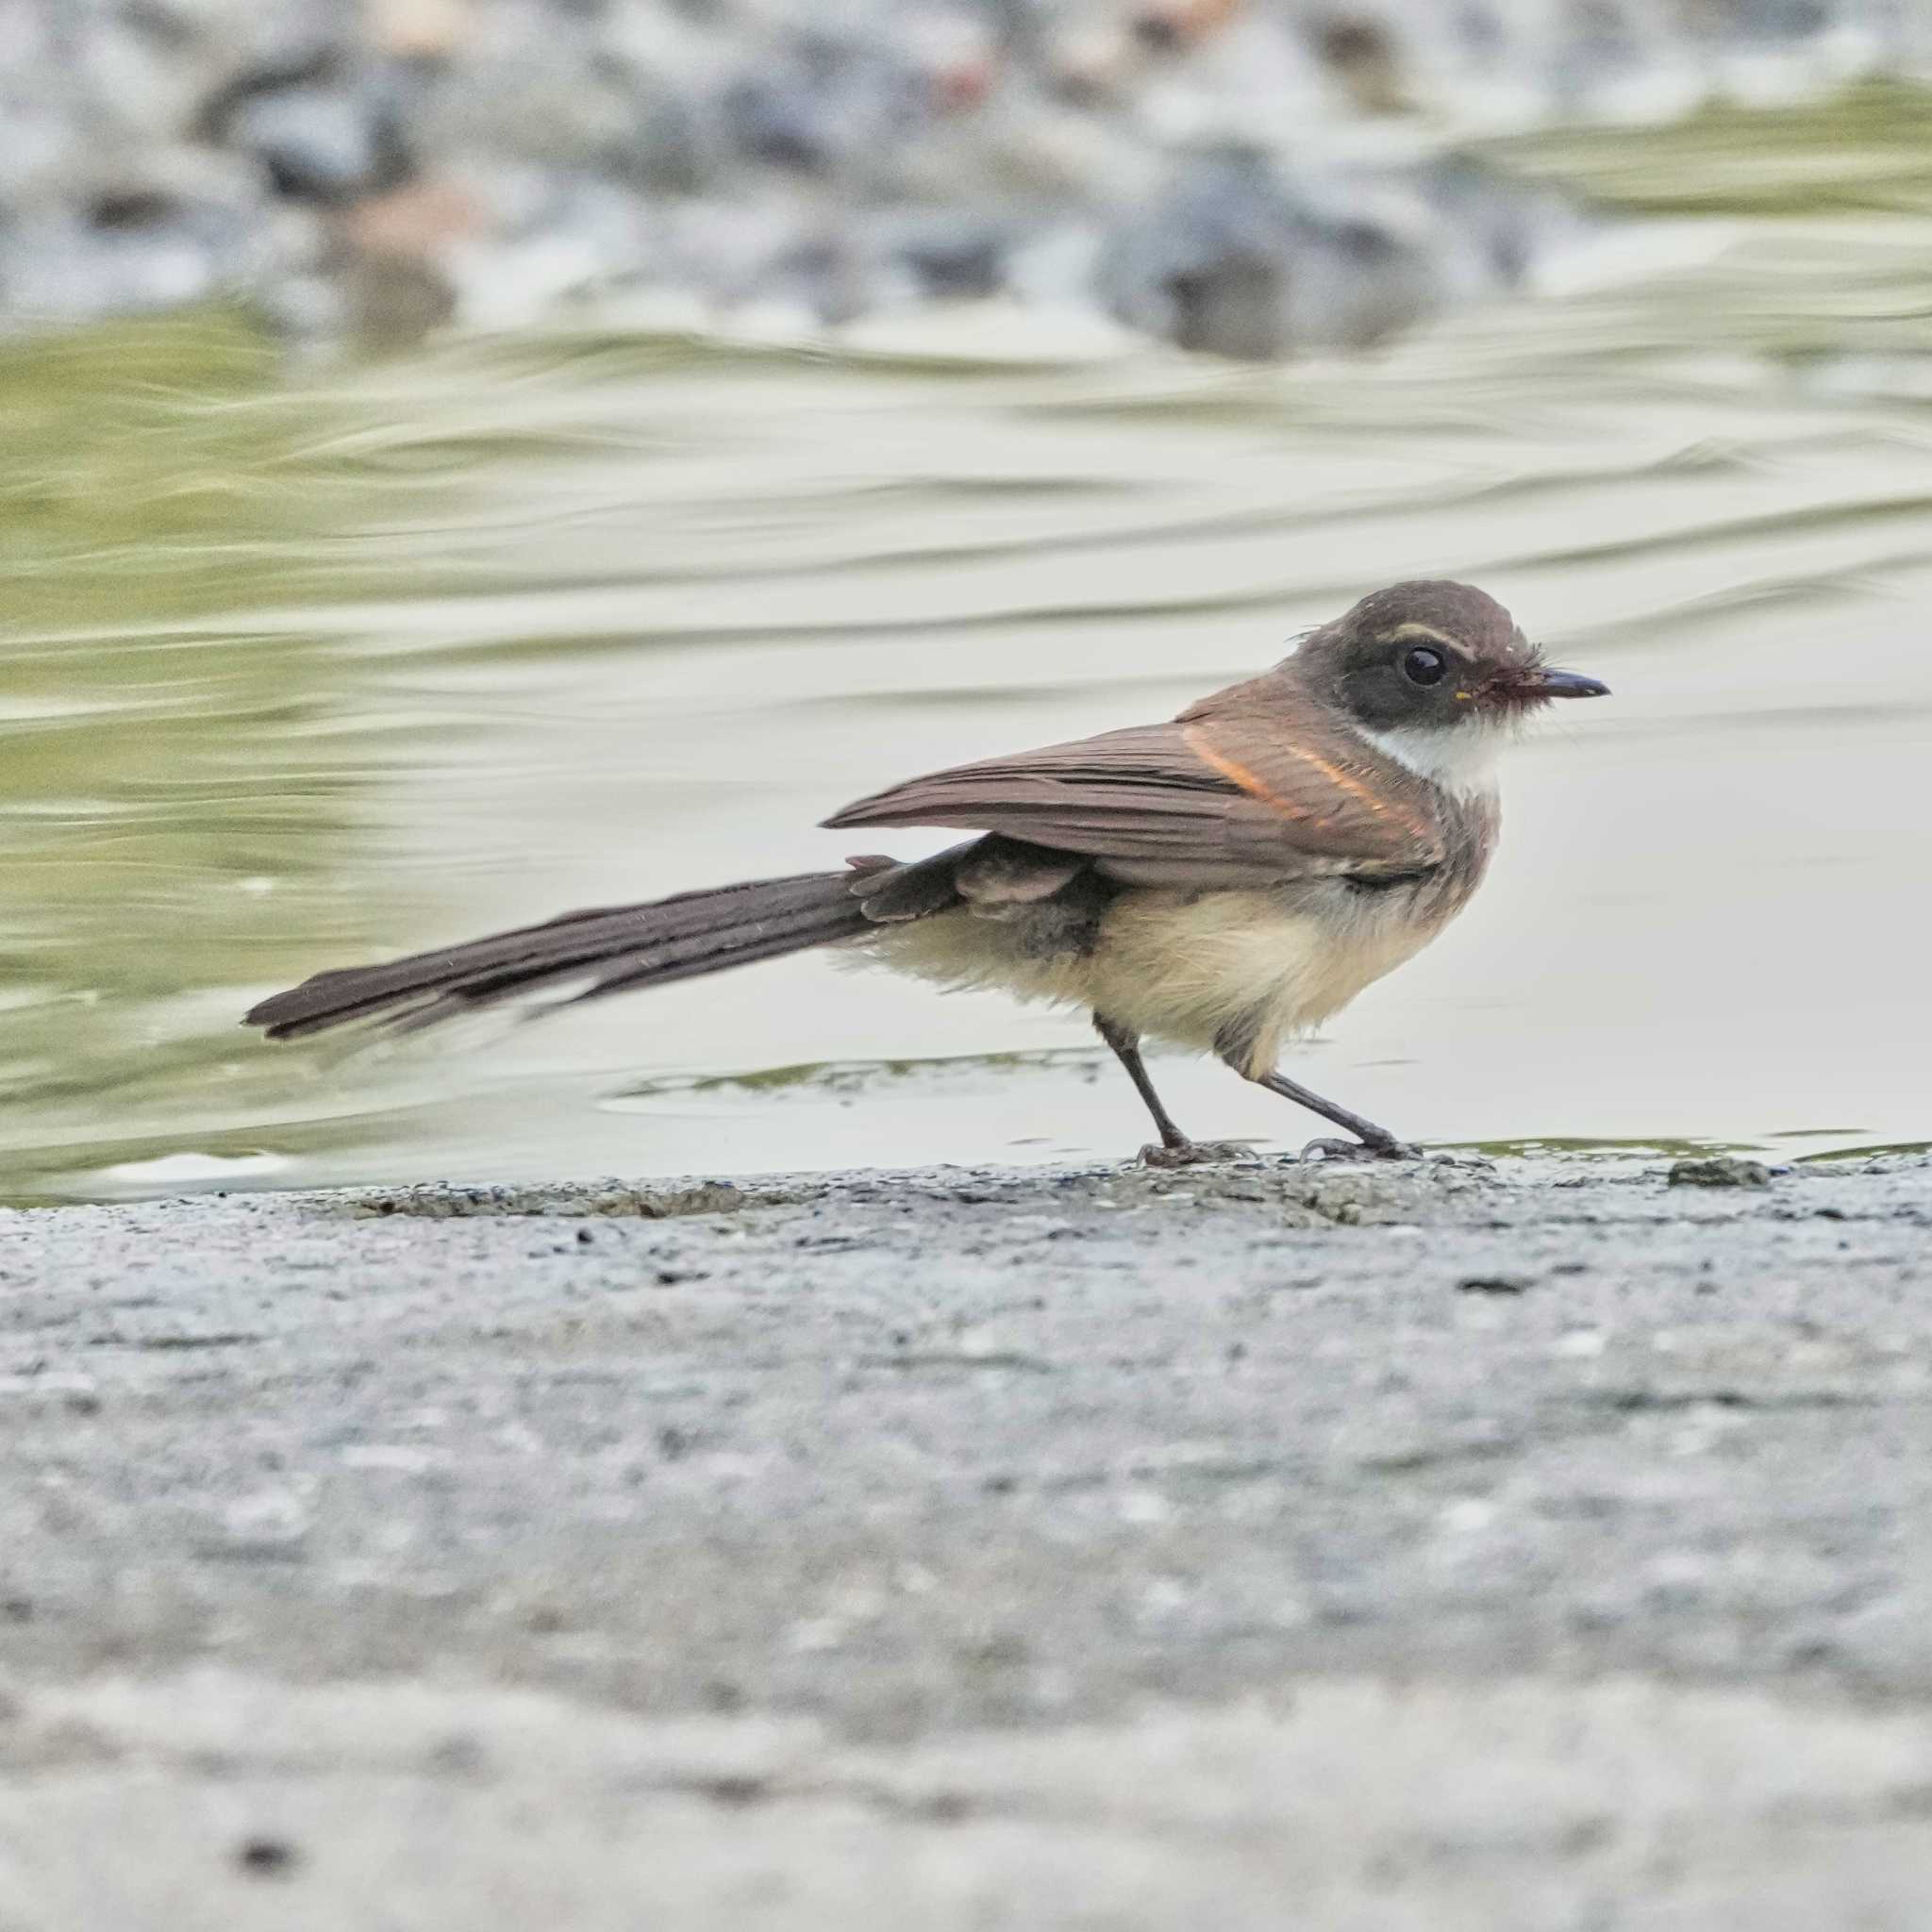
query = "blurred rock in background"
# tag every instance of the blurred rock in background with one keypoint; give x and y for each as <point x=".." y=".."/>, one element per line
<point x="1244" y="177"/>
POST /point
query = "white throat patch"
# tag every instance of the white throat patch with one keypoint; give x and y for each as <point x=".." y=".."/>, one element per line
<point x="1461" y="759"/>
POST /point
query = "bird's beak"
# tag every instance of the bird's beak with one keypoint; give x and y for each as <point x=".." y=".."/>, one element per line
<point x="1562" y="684"/>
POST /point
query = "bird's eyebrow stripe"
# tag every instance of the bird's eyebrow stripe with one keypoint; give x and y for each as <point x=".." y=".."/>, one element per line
<point x="1412" y="629"/>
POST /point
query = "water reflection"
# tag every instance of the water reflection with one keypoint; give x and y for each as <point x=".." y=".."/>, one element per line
<point x="298" y="675"/>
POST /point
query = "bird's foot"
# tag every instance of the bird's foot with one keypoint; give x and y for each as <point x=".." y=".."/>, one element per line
<point x="1194" y="1154"/>
<point x="1327" y="1148"/>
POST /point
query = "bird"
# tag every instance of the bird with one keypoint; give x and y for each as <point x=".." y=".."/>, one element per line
<point x="1225" y="881"/>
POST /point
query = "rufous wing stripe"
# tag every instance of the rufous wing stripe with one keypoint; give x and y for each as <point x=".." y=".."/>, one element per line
<point x="1337" y="776"/>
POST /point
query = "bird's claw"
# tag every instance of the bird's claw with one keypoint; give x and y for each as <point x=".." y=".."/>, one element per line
<point x="1326" y="1147"/>
<point x="1194" y="1154"/>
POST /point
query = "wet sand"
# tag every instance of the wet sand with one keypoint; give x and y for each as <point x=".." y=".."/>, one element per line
<point x="1542" y="1546"/>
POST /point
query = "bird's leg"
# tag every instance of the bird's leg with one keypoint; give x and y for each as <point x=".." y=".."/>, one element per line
<point x="1376" y="1142"/>
<point x="1176" y="1149"/>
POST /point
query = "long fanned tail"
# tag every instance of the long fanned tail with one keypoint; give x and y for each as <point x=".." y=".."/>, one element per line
<point x="612" y="950"/>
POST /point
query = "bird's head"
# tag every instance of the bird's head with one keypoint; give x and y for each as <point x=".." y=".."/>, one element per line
<point x="1433" y="673"/>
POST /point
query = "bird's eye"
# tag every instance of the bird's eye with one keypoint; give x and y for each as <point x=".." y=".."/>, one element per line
<point x="1422" y="665"/>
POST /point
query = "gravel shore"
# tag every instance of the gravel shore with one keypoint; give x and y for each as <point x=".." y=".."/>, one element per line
<point x="1251" y="178"/>
<point x="1539" y="1546"/>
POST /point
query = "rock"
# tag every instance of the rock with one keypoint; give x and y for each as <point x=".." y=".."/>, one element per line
<point x="822" y="103"/>
<point x="173" y="228"/>
<point x="1718" y="1171"/>
<point x="394" y="258"/>
<point x="418" y="29"/>
<point x="1361" y="52"/>
<point x="538" y="86"/>
<point x="1237" y="261"/>
<point x="954" y="258"/>
<point x="327" y="140"/>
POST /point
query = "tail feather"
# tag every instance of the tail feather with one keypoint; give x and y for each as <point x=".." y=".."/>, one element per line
<point x="616" y="948"/>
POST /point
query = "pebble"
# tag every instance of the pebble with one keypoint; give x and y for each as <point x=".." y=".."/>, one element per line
<point x="1718" y="1171"/>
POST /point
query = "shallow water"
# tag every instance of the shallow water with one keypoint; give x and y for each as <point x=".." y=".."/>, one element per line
<point x="302" y="670"/>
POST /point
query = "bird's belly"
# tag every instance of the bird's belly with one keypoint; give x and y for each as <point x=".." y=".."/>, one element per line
<point x="1254" y="968"/>
<point x="1196" y="969"/>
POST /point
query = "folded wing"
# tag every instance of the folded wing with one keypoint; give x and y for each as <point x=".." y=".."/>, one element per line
<point x="1201" y="803"/>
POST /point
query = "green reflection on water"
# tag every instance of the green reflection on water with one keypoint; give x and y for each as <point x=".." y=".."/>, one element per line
<point x="1863" y="150"/>
<point x="859" y="1076"/>
<point x="1870" y="1151"/>
<point x="1660" y="1146"/>
<point x="177" y="810"/>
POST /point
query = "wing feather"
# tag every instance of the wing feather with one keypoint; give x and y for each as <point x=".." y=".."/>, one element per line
<point x="1202" y="802"/>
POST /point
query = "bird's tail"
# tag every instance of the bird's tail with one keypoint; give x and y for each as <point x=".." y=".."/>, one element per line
<point x="611" y="950"/>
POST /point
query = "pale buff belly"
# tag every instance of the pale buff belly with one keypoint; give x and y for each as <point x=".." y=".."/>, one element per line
<point x="1190" y="969"/>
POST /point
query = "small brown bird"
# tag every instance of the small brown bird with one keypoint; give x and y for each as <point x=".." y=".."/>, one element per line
<point x="1225" y="881"/>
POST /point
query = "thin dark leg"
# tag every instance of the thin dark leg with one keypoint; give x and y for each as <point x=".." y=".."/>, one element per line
<point x="1127" y="1046"/>
<point x="1377" y="1140"/>
<point x="1176" y="1149"/>
<point x="1365" y="1131"/>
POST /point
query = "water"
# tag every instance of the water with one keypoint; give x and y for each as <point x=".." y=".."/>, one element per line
<point x="303" y="670"/>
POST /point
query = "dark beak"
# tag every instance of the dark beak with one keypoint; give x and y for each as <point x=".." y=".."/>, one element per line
<point x="1563" y="684"/>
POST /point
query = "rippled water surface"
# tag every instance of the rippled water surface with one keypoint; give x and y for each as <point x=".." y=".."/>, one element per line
<point x="302" y="670"/>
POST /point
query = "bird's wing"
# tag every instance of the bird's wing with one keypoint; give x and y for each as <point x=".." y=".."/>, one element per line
<point x="1204" y="801"/>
